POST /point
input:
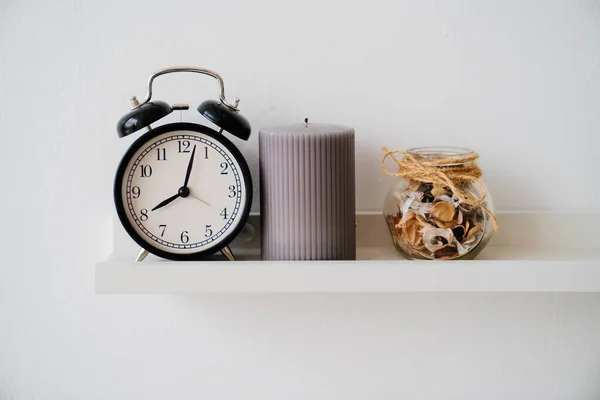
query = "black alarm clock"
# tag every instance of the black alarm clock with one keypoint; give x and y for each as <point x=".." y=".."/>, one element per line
<point x="183" y="191"/>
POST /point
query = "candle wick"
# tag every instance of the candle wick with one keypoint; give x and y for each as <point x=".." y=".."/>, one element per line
<point x="305" y="121"/>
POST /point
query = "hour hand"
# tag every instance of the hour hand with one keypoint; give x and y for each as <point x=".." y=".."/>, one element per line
<point x="182" y="192"/>
<point x="165" y="202"/>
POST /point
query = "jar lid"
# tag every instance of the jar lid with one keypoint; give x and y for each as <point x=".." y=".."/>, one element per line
<point x="441" y="153"/>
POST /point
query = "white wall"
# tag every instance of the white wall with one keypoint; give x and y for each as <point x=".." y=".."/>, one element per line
<point x="516" y="80"/>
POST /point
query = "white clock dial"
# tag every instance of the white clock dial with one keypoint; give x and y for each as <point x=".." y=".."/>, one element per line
<point x="183" y="192"/>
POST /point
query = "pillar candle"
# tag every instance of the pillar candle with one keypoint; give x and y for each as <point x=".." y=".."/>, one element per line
<point x="307" y="189"/>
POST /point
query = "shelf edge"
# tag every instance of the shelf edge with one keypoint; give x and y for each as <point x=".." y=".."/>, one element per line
<point x="350" y="277"/>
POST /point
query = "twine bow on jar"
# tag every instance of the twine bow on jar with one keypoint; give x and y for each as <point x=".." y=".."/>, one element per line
<point x="453" y="172"/>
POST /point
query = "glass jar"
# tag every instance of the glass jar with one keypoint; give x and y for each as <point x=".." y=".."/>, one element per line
<point x="429" y="221"/>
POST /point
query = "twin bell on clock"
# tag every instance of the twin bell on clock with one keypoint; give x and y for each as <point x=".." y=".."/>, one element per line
<point x="183" y="191"/>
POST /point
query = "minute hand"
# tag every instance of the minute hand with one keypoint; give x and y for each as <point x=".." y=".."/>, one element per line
<point x="189" y="168"/>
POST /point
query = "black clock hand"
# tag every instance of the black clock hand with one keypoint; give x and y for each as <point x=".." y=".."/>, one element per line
<point x="189" y="168"/>
<point x="182" y="192"/>
<point x="165" y="202"/>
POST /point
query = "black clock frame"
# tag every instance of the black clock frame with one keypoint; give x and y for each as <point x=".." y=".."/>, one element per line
<point x="144" y="140"/>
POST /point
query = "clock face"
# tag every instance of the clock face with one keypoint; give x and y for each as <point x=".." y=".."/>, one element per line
<point x="183" y="190"/>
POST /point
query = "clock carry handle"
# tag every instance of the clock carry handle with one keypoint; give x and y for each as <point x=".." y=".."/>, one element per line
<point x="189" y="69"/>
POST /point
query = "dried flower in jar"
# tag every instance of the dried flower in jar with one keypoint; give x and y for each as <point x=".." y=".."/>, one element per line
<point x="442" y="212"/>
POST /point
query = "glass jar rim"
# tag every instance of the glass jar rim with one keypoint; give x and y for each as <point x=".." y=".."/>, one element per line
<point x="431" y="153"/>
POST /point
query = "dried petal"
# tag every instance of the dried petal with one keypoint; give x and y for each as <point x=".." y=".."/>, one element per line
<point x="473" y="230"/>
<point x="406" y="217"/>
<point x="435" y="238"/>
<point x="411" y="222"/>
<point x="408" y="195"/>
<point x="445" y="224"/>
<point x="412" y="233"/>
<point x="462" y="250"/>
<point x="414" y="185"/>
<point x="409" y="200"/>
<point x="420" y="208"/>
<point x="438" y="191"/>
<point x="442" y="211"/>
<point x="474" y="240"/>
<point x="455" y="201"/>
<point x="419" y="246"/>
<point x="423" y="221"/>
<point x="468" y="209"/>
<point x="445" y="198"/>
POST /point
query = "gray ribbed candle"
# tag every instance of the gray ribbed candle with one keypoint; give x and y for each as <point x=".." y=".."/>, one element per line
<point x="307" y="192"/>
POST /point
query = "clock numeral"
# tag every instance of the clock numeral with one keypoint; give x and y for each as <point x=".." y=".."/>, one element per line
<point x="163" y="227"/>
<point x="232" y="192"/>
<point x="136" y="192"/>
<point x="146" y="171"/>
<point x="205" y="153"/>
<point x="161" y="154"/>
<point x="184" y="237"/>
<point x="208" y="231"/>
<point x="144" y="214"/>
<point x="224" y="213"/>
<point x="224" y="171"/>
<point x="184" y="146"/>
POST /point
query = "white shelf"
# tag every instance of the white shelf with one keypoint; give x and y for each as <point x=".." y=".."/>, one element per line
<point x="533" y="252"/>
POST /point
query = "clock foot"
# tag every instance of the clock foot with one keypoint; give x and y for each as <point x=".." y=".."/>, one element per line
<point x="141" y="255"/>
<point x="226" y="251"/>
